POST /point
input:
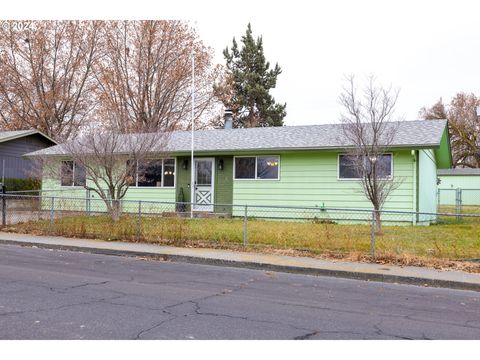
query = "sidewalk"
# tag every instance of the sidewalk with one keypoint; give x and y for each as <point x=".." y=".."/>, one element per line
<point x="302" y="265"/>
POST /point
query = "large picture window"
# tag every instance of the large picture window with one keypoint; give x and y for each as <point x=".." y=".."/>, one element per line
<point x="152" y="173"/>
<point x="72" y="174"/>
<point x="348" y="166"/>
<point x="257" y="167"/>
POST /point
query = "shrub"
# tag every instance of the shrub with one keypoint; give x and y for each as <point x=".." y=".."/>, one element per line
<point x="15" y="184"/>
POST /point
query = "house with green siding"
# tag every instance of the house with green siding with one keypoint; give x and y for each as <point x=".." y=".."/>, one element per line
<point x="296" y="166"/>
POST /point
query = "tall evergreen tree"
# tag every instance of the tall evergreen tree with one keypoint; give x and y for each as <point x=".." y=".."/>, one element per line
<point x="246" y="86"/>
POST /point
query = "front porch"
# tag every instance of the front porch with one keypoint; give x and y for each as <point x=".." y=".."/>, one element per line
<point x="213" y="185"/>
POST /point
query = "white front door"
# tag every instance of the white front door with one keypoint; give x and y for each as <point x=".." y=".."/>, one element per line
<point x="203" y="191"/>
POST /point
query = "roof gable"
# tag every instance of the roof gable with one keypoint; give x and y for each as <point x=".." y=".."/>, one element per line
<point x="443" y="152"/>
<point x="15" y="134"/>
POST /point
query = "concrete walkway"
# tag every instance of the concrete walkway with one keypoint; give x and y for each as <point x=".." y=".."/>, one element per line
<point x="353" y="270"/>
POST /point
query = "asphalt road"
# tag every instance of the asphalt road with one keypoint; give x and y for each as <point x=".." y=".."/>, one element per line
<point x="49" y="294"/>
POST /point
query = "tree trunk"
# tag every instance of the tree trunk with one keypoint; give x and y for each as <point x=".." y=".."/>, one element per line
<point x="115" y="210"/>
<point x="378" y="222"/>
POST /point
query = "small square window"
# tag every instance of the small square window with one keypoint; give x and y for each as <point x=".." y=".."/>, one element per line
<point x="150" y="173"/>
<point x="347" y="167"/>
<point x="384" y="166"/>
<point x="67" y="173"/>
<point x="267" y="167"/>
<point x="131" y="172"/>
<point x="169" y="173"/>
<point x="245" y="168"/>
<point x="72" y="174"/>
<point x="80" y="175"/>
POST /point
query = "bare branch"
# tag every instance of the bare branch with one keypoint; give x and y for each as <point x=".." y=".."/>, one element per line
<point x="110" y="161"/>
<point x="46" y="76"/>
<point x="368" y="131"/>
<point x="145" y="76"/>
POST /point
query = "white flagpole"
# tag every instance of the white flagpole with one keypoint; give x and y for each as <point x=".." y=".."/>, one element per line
<point x="192" y="164"/>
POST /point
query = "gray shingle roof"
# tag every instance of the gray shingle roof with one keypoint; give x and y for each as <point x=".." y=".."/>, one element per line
<point x="419" y="133"/>
<point x="15" y="134"/>
<point x="458" y="171"/>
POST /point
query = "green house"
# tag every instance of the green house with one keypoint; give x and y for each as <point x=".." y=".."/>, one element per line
<point x="294" y="166"/>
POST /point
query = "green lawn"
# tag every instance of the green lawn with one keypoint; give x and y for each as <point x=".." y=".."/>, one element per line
<point x="449" y="241"/>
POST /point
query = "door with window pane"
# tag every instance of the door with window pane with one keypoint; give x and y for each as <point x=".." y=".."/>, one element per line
<point x="204" y="178"/>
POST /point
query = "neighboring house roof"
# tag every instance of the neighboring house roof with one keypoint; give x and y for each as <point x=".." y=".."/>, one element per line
<point x="410" y="134"/>
<point x="458" y="172"/>
<point x="15" y="134"/>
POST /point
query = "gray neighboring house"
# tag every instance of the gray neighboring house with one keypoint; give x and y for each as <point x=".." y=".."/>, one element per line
<point x="15" y="144"/>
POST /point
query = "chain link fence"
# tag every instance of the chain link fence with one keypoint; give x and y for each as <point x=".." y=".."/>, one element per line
<point x="460" y="201"/>
<point x="333" y="232"/>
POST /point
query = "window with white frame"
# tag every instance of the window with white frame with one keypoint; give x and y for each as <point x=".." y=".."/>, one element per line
<point x="257" y="167"/>
<point x="151" y="173"/>
<point x="348" y="166"/>
<point x="169" y="172"/>
<point x="72" y="174"/>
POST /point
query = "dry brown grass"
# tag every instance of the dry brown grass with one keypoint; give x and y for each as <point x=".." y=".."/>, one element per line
<point x="447" y="246"/>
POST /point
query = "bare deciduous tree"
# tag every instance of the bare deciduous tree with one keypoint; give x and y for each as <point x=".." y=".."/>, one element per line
<point x="368" y="133"/>
<point x="46" y="78"/>
<point x="107" y="162"/>
<point x="54" y="75"/>
<point x="145" y="77"/>
<point x="463" y="126"/>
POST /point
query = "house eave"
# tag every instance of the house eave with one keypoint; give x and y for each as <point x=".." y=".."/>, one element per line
<point x="255" y="150"/>
<point x="27" y="133"/>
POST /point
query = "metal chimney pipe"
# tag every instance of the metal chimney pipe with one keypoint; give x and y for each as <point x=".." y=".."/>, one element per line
<point x="228" y="119"/>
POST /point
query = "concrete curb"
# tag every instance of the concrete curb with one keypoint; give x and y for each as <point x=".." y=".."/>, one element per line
<point x="378" y="277"/>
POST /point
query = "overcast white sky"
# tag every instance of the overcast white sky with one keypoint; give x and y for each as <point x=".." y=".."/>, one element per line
<point x="427" y="49"/>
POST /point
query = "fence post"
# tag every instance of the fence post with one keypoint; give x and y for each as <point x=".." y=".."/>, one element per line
<point x="139" y="220"/>
<point x="373" y="235"/>
<point x="4" y="207"/>
<point x="458" y="202"/>
<point x="52" y="213"/>
<point x="438" y="205"/>
<point x="245" y="242"/>
<point x="89" y="205"/>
